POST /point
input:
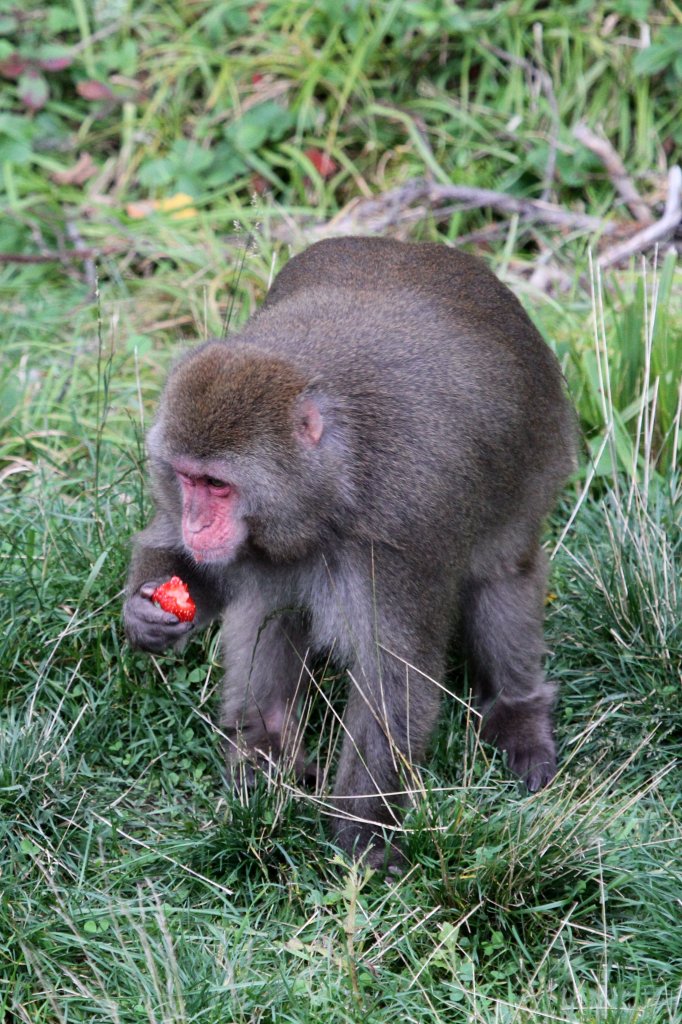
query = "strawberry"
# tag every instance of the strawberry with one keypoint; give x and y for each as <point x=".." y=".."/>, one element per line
<point x="173" y="596"/>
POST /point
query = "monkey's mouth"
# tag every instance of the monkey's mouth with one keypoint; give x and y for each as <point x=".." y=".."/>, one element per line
<point x="216" y="554"/>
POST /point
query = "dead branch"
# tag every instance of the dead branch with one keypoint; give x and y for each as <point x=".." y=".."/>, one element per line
<point x="657" y="232"/>
<point x="530" y="209"/>
<point x="65" y="256"/>
<point x="417" y="199"/>
<point x="378" y="214"/>
<point x="615" y="168"/>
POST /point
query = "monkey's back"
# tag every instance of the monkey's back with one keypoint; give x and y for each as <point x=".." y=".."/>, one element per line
<point x="377" y="265"/>
<point x="456" y="402"/>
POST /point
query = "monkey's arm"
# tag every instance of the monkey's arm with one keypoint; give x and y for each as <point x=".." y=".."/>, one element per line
<point x="148" y="627"/>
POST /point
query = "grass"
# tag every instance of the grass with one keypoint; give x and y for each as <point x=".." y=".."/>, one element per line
<point x="134" y="887"/>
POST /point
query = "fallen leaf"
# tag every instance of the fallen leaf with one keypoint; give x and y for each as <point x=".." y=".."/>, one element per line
<point x="14" y="65"/>
<point x="92" y="90"/>
<point x="256" y="11"/>
<point x="78" y="173"/>
<point x="259" y="184"/>
<point x="180" y="203"/>
<point x="179" y="206"/>
<point x="141" y="209"/>
<point x="322" y="162"/>
<point x="55" y="63"/>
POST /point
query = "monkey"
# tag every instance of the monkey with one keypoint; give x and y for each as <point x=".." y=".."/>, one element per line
<point x="364" y="470"/>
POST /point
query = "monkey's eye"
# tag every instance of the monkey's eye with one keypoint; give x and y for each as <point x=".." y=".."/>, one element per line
<point x="217" y="485"/>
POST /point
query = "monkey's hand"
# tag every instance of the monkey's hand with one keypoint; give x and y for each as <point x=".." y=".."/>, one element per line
<point x="148" y="627"/>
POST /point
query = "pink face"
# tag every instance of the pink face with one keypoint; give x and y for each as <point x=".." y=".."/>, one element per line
<point x="212" y="530"/>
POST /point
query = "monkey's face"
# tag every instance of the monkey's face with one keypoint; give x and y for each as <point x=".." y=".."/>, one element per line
<point x="265" y="498"/>
<point x="251" y="454"/>
<point x="256" y="501"/>
<point x="213" y="523"/>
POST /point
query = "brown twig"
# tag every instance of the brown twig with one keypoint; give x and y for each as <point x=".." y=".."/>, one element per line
<point x="66" y="256"/>
<point x="656" y="232"/>
<point x="372" y="216"/>
<point x="530" y="209"/>
<point x="615" y="168"/>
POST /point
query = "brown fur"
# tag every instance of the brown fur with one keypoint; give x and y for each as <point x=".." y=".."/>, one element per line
<point x="446" y="436"/>
<point x="210" y="416"/>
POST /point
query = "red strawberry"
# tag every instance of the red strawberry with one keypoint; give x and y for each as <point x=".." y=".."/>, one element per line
<point x="173" y="596"/>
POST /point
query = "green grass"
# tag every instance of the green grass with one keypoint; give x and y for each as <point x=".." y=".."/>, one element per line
<point x="134" y="886"/>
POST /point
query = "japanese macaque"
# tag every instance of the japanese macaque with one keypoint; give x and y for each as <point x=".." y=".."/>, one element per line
<point x="363" y="470"/>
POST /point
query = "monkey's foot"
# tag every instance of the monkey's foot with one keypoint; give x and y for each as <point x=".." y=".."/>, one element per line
<point x="386" y="858"/>
<point x="536" y="766"/>
<point x="523" y="729"/>
<point x="368" y="847"/>
<point x="243" y="768"/>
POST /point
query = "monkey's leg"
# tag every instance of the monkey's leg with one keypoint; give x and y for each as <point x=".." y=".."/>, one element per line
<point x="265" y="677"/>
<point x="502" y="620"/>
<point x="391" y="713"/>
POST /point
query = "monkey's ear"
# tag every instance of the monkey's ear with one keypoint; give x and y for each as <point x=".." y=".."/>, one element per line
<point x="309" y="424"/>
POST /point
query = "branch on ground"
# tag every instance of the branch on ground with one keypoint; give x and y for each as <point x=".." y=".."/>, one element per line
<point x="386" y="211"/>
<point x="659" y="231"/>
<point x="420" y="198"/>
<point x="61" y="255"/>
<point x="615" y="168"/>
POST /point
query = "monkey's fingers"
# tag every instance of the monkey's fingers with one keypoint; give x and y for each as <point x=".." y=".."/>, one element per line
<point x="536" y="766"/>
<point x="151" y="628"/>
<point x="146" y="610"/>
<point x="540" y="775"/>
